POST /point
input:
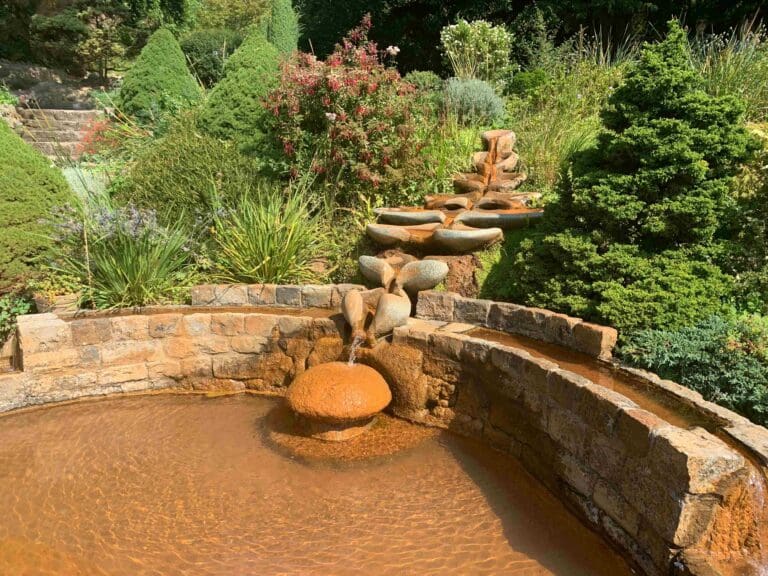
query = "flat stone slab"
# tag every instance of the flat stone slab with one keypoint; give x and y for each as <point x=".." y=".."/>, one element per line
<point x="466" y="240"/>
<point x="505" y="220"/>
<point x="408" y="216"/>
<point x="390" y="235"/>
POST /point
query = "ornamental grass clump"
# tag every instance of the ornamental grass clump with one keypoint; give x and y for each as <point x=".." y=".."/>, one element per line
<point x="347" y="120"/>
<point x="268" y="235"/>
<point x="632" y="237"/>
<point x="121" y="256"/>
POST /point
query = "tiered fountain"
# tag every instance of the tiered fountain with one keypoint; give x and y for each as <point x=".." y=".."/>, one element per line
<point x="338" y="401"/>
<point x="485" y="203"/>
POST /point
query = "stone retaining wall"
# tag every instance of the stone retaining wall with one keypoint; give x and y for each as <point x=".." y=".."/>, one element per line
<point x="64" y="360"/>
<point x="293" y="296"/>
<point x="651" y="488"/>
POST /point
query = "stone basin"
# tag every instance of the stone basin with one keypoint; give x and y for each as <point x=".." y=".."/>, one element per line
<point x="505" y="219"/>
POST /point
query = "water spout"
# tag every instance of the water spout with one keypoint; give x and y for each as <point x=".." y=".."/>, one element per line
<point x="356" y="342"/>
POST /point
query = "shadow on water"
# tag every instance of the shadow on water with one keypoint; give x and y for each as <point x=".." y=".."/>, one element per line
<point x="535" y="523"/>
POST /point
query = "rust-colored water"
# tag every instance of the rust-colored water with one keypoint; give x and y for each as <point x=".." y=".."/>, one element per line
<point x="600" y="373"/>
<point x="183" y="485"/>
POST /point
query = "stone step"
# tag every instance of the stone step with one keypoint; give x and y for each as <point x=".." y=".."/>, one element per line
<point x="40" y="135"/>
<point x="56" y="114"/>
<point x="57" y="149"/>
<point x="51" y="124"/>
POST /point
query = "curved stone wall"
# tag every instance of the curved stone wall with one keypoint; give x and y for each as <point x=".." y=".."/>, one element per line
<point x="654" y="489"/>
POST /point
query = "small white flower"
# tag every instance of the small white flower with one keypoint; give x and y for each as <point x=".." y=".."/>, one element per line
<point x="393" y="50"/>
<point x="331" y="116"/>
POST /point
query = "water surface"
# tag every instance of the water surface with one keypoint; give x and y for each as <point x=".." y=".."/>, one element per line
<point x="186" y="485"/>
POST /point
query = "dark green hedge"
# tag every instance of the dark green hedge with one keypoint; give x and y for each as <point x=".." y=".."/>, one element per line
<point x="159" y="79"/>
<point x="281" y="26"/>
<point x="234" y="108"/>
<point x="29" y="189"/>
<point x="208" y="50"/>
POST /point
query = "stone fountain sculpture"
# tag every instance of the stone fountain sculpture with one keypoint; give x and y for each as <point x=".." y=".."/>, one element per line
<point x="340" y="400"/>
<point x="485" y="203"/>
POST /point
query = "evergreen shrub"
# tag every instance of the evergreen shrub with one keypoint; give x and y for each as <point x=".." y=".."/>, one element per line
<point x="281" y="26"/>
<point x="632" y="237"/>
<point x="29" y="189"/>
<point x="235" y="106"/>
<point x="159" y="80"/>
<point x="208" y="50"/>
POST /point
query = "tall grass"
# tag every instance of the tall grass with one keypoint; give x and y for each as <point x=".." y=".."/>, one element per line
<point x="269" y="235"/>
<point x="561" y="115"/>
<point x="736" y="64"/>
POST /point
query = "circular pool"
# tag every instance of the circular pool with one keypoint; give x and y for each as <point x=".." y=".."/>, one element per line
<point x="189" y="485"/>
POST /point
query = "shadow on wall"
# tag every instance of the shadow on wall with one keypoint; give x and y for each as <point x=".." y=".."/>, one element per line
<point x="495" y="278"/>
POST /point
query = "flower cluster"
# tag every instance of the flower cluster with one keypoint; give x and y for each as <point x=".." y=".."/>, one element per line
<point x="348" y="116"/>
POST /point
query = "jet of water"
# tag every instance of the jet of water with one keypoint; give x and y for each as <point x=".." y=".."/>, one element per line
<point x="356" y="342"/>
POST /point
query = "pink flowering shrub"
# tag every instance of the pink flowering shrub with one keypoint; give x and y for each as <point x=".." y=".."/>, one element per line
<point x="348" y="120"/>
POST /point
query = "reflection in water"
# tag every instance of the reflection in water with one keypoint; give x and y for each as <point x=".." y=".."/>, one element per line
<point x="179" y="484"/>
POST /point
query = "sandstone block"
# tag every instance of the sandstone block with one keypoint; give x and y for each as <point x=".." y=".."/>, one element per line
<point x="117" y="353"/>
<point x="613" y="503"/>
<point x="91" y="331"/>
<point x="501" y="316"/>
<point x="196" y="367"/>
<point x="607" y="455"/>
<point x="558" y="328"/>
<point x="636" y="428"/>
<point x="165" y="369"/>
<point x="120" y="374"/>
<point x="164" y="325"/>
<point x="43" y="333"/>
<point x="471" y="311"/>
<point x="227" y="324"/>
<point x="262" y="294"/>
<point x="195" y="325"/>
<point x="259" y="325"/>
<point x="568" y="431"/>
<point x="447" y="345"/>
<point x="578" y="476"/>
<point x="182" y="347"/>
<point x="510" y="361"/>
<point x="316" y="296"/>
<point x="594" y="340"/>
<point x="326" y="349"/>
<point x="600" y="407"/>
<point x="89" y="355"/>
<point x="213" y="344"/>
<point x="204" y="295"/>
<point x="294" y="326"/>
<point x="46" y="361"/>
<point x="248" y="344"/>
<point x="231" y="295"/>
<point x="288" y="296"/>
<point x="435" y="306"/>
<point x="130" y="328"/>
<point x="693" y="461"/>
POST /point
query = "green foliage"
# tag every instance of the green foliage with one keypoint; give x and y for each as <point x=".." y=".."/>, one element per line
<point x="560" y="116"/>
<point x="268" y="235"/>
<point x="6" y="97"/>
<point x="121" y="256"/>
<point x="473" y="102"/>
<point x="231" y="14"/>
<point x="235" y="107"/>
<point x="29" y="189"/>
<point x="425" y="81"/>
<point x="528" y="82"/>
<point x="281" y="26"/>
<point x="208" y="50"/>
<point x="723" y="358"/>
<point x="159" y="80"/>
<point x="477" y="50"/>
<point x="11" y="306"/>
<point x="630" y="239"/>
<point x="736" y="64"/>
<point x="179" y="174"/>
<point x="54" y="39"/>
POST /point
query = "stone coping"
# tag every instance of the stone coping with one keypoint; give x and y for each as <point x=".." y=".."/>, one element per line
<point x="652" y="489"/>
<point x="293" y="296"/>
<point x="537" y="323"/>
